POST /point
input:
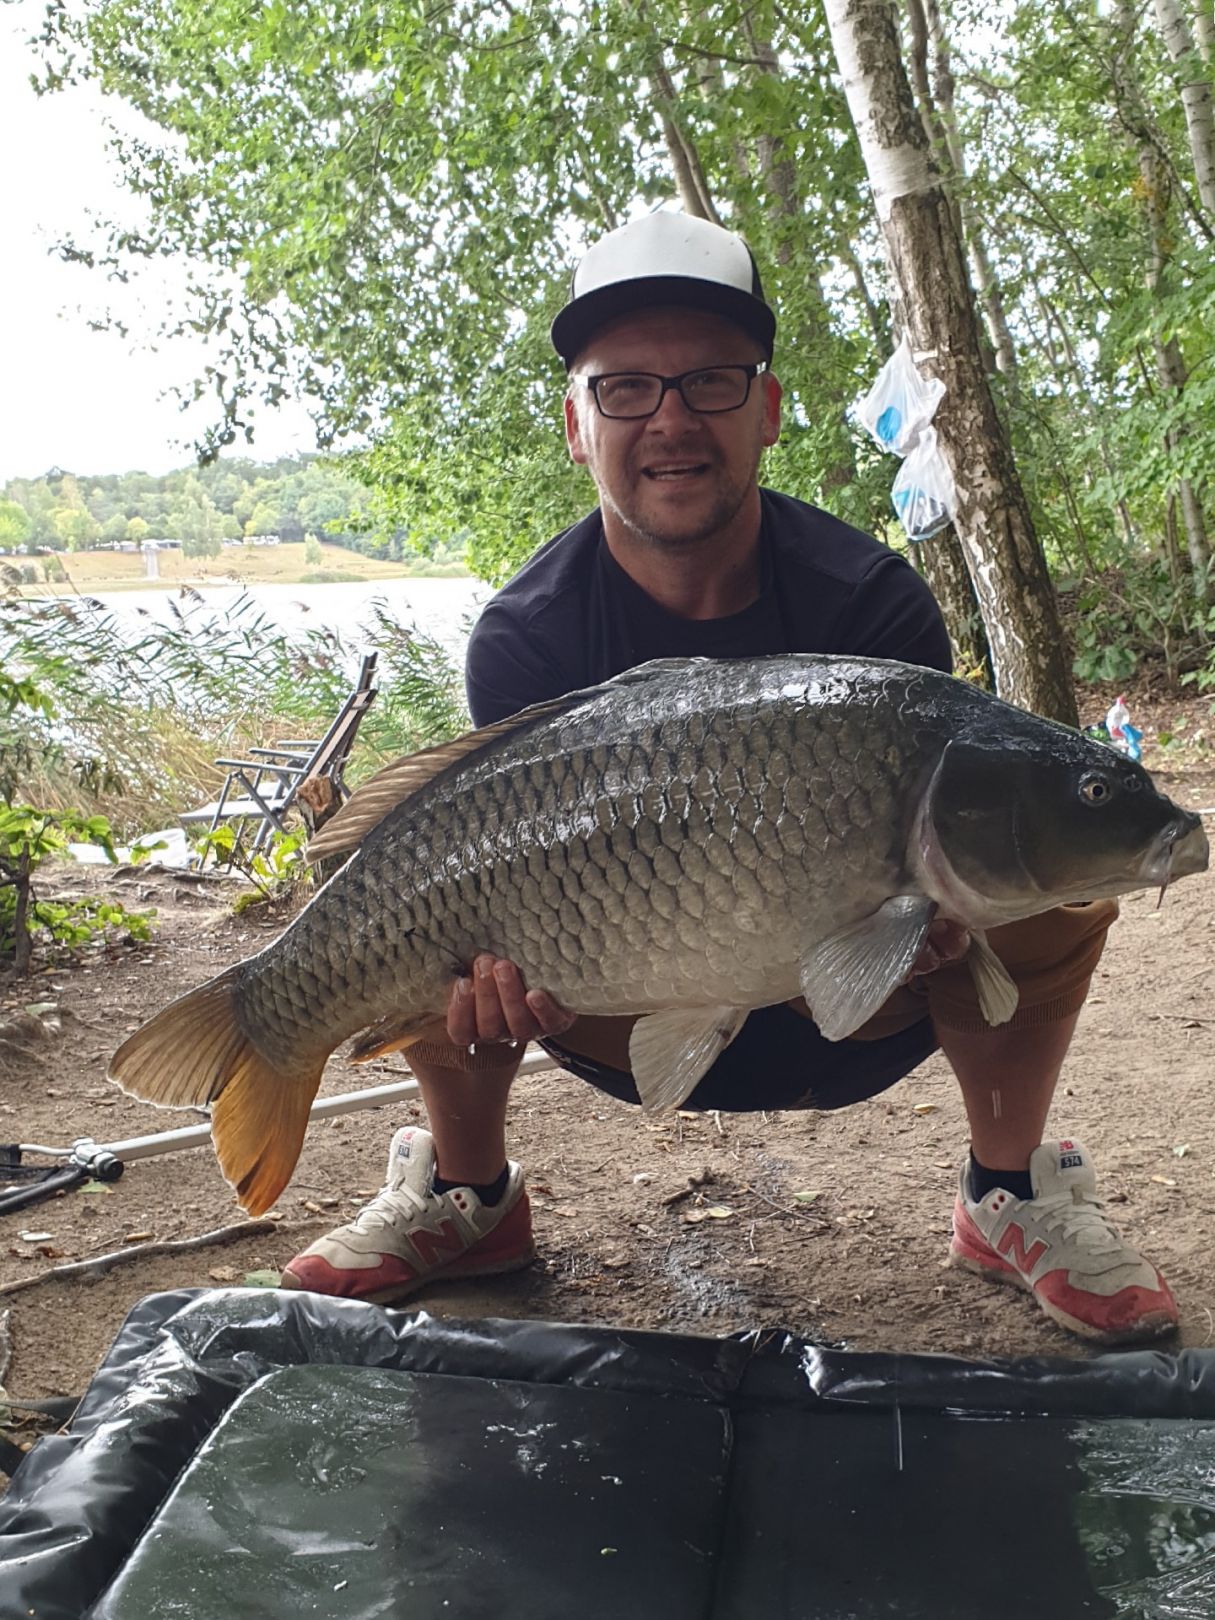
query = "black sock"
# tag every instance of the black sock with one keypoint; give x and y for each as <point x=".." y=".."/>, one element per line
<point x="490" y="1194"/>
<point x="982" y="1181"/>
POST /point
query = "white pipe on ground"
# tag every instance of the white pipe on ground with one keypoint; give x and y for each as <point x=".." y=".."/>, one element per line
<point x="190" y="1136"/>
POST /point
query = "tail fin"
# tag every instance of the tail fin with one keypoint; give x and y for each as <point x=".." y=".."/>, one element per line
<point x="196" y="1052"/>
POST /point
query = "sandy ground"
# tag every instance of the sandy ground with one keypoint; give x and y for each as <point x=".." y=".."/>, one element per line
<point x="833" y="1225"/>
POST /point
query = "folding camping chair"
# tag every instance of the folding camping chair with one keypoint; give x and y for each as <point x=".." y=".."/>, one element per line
<point x="260" y="790"/>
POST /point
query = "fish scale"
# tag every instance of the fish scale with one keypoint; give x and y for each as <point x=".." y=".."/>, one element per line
<point x="805" y="802"/>
<point x="689" y="841"/>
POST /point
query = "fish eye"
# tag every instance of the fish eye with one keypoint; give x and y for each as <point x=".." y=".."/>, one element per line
<point x="1095" y="788"/>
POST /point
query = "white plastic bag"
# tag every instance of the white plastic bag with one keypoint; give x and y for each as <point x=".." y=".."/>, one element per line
<point x="901" y="403"/>
<point x="924" y="493"/>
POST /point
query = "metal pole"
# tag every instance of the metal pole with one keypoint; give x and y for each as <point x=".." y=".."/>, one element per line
<point x="191" y="1136"/>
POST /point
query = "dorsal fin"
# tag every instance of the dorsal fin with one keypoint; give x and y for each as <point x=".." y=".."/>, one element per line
<point x="391" y="786"/>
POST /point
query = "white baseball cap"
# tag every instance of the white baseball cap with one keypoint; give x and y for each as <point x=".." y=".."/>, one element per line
<point x="665" y="258"/>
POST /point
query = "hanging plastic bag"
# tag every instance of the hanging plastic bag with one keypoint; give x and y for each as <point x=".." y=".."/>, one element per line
<point x="901" y="403"/>
<point x="924" y="493"/>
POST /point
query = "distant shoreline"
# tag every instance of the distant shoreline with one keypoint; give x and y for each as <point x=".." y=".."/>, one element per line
<point x="94" y="572"/>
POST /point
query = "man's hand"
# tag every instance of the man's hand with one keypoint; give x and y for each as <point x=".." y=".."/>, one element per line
<point x="493" y="1005"/>
<point x="946" y="942"/>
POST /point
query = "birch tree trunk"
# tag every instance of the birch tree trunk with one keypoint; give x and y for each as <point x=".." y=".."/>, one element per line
<point x="813" y="333"/>
<point x="1003" y="554"/>
<point x="1195" y="95"/>
<point x="1171" y="368"/>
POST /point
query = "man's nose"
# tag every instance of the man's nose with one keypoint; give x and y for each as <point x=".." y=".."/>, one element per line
<point x="672" y="412"/>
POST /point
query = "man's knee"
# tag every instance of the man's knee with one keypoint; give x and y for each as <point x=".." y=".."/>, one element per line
<point x="1050" y="958"/>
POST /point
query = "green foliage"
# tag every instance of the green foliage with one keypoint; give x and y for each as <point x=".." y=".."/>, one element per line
<point x="277" y="868"/>
<point x="28" y="838"/>
<point x="387" y="199"/>
<point x="15" y="525"/>
<point x="1141" y="612"/>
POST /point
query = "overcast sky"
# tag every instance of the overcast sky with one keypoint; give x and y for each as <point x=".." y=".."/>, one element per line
<point x="90" y="402"/>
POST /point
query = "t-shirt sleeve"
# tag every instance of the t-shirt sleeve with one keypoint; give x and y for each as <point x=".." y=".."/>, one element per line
<point x="508" y="667"/>
<point x="893" y="614"/>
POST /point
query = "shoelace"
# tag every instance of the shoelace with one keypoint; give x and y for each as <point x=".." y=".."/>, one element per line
<point x="1081" y="1220"/>
<point x="385" y="1208"/>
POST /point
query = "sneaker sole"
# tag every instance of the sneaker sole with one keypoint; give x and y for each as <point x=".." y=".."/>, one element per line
<point x="456" y="1270"/>
<point x="1148" y="1327"/>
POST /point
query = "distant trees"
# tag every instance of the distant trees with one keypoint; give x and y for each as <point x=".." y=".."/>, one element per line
<point x="15" y="526"/>
<point x="200" y="506"/>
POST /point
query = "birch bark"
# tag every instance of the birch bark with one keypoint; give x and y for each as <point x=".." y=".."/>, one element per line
<point x="1196" y="96"/>
<point x="936" y="303"/>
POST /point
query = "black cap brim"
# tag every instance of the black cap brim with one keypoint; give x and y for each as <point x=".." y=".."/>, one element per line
<point x="577" y="323"/>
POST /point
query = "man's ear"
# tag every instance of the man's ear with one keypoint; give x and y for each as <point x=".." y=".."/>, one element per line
<point x="573" y="431"/>
<point x="773" y="393"/>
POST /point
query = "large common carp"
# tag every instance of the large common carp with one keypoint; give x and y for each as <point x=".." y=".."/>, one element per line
<point x="690" y="841"/>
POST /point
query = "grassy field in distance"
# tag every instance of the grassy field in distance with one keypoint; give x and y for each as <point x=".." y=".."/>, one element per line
<point x="236" y="565"/>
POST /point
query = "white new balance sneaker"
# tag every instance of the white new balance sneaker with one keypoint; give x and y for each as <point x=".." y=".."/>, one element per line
<point x="408" y="1233"/>
<point x="1061" y="1248"/>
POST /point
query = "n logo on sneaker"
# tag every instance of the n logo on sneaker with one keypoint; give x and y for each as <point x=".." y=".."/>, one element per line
<point x="432" y="1244"/>
<point x="1013" y="1238"/>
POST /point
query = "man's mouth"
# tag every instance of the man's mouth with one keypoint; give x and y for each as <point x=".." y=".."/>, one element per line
<point x="673" y="471"/>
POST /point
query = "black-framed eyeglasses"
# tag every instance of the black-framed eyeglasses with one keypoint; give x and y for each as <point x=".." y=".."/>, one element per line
<point x="709" y="390"/>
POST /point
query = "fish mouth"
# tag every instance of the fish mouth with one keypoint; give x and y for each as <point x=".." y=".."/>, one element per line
<point x="1179" y="850"/>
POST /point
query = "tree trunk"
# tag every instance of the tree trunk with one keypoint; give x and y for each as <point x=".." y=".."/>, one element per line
<point x="1195" y="95"/>
<point x="942" y="562"/>
<point x="23" y="944"/>
<point x="1003" y="554"/>
<point x="988" y="285"/>
<point x="814" y="332"/>
<point x="1171" y="369"/>
<point x="685" y="163"/>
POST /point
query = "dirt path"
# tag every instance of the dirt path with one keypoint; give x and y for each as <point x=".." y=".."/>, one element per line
<point x="860" y="1261"/>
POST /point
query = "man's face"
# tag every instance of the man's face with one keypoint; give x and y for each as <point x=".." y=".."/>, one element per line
<point x="678" y="477"/>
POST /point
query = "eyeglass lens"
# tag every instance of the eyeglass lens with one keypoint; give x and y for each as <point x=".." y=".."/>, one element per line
<point x="639" y="393"/>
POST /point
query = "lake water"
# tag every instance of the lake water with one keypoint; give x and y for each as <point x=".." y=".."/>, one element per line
<point x="443" y="608"/>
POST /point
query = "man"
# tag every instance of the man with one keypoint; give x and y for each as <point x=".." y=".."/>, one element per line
<point x="668" y="343"/>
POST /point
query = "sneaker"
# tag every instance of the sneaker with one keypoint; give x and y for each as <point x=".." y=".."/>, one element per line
<point x="1061" y="1248"/>
<point x="408" y="1233"/>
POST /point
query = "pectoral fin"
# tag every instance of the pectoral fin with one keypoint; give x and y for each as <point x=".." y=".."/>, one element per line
<point x="670" y="1052"/>
<point x="847" y="977"/>
<point x="997" y="993"/>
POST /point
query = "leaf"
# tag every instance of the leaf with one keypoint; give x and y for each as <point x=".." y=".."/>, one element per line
<point x="261" y="1279"/>
<point x="95" y="1187"/>
<point x="805" y="1197"/>
<point x="719" y="1212"/>
<point x="222" y="1274"/>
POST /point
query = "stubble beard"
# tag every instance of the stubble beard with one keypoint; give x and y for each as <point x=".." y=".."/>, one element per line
<point x="721" y="514"/>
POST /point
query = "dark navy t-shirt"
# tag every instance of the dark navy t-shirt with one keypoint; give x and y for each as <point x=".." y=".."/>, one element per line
<point x="572" y="617"/>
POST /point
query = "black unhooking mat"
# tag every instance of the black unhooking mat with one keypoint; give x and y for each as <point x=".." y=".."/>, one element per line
<point x="257" y="1455"/>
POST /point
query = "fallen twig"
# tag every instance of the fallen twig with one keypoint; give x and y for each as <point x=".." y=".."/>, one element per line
<point x="781" y="1209"/>
<point x="101" y="1263"/>
<point x="695" y="1183"/>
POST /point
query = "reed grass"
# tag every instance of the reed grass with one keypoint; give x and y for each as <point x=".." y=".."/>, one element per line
<point x="137" y="721"/>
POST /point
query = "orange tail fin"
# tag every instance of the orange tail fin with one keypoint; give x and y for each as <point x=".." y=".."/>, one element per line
<point x="196" y="1052"/>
